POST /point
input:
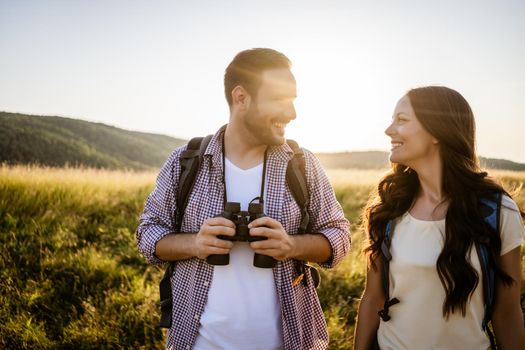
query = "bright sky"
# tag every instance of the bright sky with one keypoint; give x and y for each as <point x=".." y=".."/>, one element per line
<point x="157" y="66"/>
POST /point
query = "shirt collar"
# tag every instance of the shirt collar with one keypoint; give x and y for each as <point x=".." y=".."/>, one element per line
<point x="282" y="153"/>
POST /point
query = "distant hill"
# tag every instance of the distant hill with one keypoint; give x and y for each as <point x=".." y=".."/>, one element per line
<point x="57" y="141"/>
<point x="502" y="164"/>
<point x="359" y="160"/>
<point x="378" y="160"/>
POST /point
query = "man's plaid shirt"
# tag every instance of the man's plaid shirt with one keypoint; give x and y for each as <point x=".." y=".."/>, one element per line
<point x="304" y="326"/>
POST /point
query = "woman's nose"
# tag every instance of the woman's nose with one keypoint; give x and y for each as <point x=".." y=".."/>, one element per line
<point x="390" y="130"/>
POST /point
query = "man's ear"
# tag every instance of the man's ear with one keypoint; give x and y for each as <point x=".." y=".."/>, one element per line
<point x="240" y="97"/>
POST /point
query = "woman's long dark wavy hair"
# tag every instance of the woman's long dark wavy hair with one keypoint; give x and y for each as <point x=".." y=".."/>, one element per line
<point x="447" y="116"/>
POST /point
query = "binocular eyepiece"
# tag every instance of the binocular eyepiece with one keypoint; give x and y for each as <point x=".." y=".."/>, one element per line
<point x="241" y="219"/>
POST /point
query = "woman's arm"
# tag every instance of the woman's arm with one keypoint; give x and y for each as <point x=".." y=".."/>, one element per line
<point x="367" y="317"/>
<point x="507" y="317"/>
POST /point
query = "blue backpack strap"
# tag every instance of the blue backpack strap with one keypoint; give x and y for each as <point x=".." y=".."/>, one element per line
<point x="386" y="256"/>
<point x="490" y="209"/>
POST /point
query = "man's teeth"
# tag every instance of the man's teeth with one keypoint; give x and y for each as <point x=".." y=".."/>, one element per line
<point x="279" y="125"/>
<point x="396" y="144"/>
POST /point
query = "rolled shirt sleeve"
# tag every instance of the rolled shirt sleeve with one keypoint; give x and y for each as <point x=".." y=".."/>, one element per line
<point x="158" y="217"/>
<point x="326" y="215"/>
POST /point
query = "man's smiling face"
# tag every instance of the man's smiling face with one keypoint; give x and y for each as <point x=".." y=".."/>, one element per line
<point x="272" y="108"/>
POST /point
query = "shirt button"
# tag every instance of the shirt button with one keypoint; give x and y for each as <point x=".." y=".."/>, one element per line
<point x="196" y="317"/>
<point x="188" y="347"/>
<point x="206" y="284"/>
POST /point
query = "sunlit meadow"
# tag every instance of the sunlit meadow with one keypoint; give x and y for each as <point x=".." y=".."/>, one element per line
<point x="72" y="276"/>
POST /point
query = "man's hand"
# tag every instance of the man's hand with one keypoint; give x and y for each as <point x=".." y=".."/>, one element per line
<point x="206" y="240"/>
<point x="279" y="245"/>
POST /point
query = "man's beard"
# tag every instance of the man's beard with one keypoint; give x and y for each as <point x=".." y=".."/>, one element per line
<point x="260" y="129"/>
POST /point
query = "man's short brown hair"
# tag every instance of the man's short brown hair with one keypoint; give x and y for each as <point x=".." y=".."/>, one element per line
<point x="247" y="67"/>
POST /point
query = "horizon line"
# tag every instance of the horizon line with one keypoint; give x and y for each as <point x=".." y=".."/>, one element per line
<point x="184" y="139"/>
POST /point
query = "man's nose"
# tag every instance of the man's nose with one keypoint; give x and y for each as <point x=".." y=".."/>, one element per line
<point x="291" y="113"/>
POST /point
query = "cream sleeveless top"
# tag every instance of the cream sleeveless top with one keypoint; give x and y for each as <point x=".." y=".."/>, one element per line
<point x="417" y="321"/>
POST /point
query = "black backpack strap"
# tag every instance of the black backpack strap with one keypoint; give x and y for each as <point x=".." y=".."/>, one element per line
<point x="190" y="162"/>
<point x="490" y="210"/>
<point x="166" y="303"/>
<point x="296" y="179"/>
<point x="385" y="257"/>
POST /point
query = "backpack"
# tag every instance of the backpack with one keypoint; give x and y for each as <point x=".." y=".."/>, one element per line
<point x="490" y="210"/>
<point x="190" y="161"/>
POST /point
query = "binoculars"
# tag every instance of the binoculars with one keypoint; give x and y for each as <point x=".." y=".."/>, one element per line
<point x="241" y="219"/>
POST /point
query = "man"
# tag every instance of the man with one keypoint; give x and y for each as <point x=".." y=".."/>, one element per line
<point x="240" y="306"/>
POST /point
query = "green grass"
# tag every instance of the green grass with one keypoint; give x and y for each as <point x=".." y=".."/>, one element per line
<point x="72" y="277"/>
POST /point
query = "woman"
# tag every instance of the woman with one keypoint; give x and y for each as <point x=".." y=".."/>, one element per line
<point x="431" y="197"/>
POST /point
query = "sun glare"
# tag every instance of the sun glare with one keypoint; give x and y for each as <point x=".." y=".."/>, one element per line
<point x="340" y="107"/>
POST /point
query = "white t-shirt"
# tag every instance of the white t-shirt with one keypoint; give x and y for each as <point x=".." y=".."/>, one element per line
<point x="242" y="310"/>
<point x="417" y="321"/>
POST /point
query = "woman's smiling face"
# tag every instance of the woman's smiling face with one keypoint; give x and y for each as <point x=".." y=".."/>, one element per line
<point x="411" y="143"/>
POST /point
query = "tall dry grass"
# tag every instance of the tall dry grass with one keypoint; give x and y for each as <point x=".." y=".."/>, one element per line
<point x="72" y="276"/>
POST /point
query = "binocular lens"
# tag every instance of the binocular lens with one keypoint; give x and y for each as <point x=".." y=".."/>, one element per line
<point x="241" y="219"/>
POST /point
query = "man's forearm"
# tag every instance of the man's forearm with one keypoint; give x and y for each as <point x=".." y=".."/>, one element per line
<point x="181" y="246"/>
<point x="312" y="247"/>
<point x="174" y="247"/>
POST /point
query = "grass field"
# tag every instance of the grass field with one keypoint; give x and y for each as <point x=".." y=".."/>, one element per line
<point x="72" y="276"/>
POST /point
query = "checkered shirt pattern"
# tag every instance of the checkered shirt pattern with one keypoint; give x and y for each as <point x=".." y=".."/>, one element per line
<point x="304" y="326"/>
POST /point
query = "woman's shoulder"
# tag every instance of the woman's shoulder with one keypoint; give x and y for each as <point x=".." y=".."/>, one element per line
<point x="512" y="230"/>
<point x="508" y="203"/>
